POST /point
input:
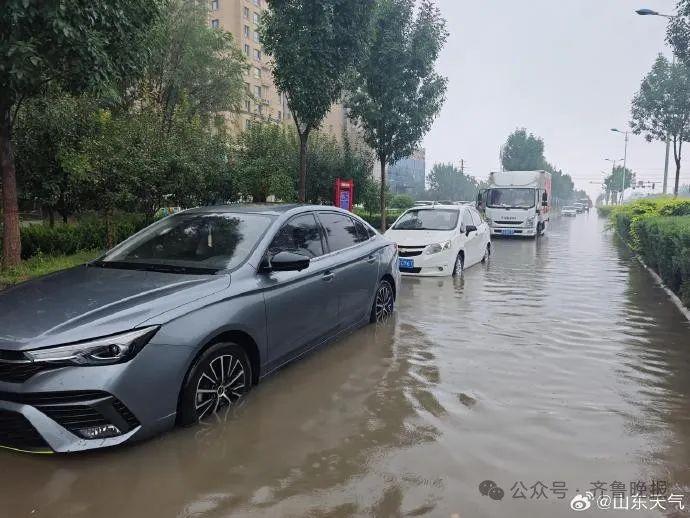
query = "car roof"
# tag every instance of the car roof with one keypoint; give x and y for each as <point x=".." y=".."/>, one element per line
<point x="437" y="206"/>
<point x="275" y="209"/>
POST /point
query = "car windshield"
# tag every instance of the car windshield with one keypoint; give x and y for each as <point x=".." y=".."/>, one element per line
<point x="428" y="219"/>
<point x="191" y="243"/>
<point x="511" y="198"/>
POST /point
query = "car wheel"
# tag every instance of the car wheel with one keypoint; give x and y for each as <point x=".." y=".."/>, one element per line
<point x="487" y="253"/>
<point x="218" y="379"/>
<point x="384" y="302"/>
<point x="459" y="265"/>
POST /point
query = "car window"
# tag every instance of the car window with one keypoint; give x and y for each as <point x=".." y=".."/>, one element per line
<point x="300" y="235"/>
<point x="341" y="231"/>
<point x="476" y="217"/>
<point x="363" y="233"/>
<point x="428" y="219"/>
<point x="467" y="219"/>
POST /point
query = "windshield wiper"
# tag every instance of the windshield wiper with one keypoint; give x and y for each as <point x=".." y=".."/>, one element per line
<point x="153" y="267"/>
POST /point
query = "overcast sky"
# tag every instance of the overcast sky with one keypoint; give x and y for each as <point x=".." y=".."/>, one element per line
<point x="564" y="69"/>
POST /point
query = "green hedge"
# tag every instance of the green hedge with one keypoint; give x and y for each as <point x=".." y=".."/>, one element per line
<point x="88" y="234"/>
<point x="624" y="216"/>
<point x="604" y="210"/>
<point x="664" y="244"/>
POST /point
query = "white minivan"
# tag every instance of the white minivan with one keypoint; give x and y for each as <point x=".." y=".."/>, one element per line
<point x="438" y="240"/>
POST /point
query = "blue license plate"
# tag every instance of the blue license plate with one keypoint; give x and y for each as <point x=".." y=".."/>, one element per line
<point x="406" y="263"/>
<point x="508" y="231"/>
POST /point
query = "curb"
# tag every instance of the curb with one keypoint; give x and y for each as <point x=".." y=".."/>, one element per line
<point x="674" y="298"/>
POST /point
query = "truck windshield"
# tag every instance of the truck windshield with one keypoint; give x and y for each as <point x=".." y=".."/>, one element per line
<point x="428" y="219"/>
<point x="510" y="198"/>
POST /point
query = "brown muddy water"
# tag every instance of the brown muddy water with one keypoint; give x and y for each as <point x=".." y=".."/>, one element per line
<point x="560" y="361"/>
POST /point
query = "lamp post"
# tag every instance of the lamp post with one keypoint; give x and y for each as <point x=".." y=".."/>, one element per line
<point x="650" y="12"/>
<point x="625" y="159"/>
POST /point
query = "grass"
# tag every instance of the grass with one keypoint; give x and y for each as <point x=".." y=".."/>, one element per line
<point x="40" y="264"/>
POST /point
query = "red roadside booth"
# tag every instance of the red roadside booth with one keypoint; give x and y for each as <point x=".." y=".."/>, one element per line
<point x="344" y="194"/>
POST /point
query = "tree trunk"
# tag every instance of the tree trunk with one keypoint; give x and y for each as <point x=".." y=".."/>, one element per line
<point x="109" y="229"/>
<point x="11" y="243"/>
<point x="303" y="148"/>
<point x="677" y="159"/>
<point x="51" y="216"/>
<point x="383" y="193"/>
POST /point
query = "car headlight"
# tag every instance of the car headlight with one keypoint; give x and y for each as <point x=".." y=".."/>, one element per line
<point x="529" y="222"/>
<point x="437" y="247"/>
<point x="100" y="351"/>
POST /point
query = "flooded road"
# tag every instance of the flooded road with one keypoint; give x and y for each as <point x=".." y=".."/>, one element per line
<point x="559" y="362"/>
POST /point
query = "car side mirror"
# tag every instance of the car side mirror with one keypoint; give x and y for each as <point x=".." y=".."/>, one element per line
<point x="285" y="262"/>
<point x="470" y="228"/>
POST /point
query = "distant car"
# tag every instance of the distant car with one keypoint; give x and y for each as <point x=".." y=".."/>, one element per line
<point x="179" y="321"/>
<point x="440" y="240"/>
<point x="579" y="207"/>
<point x="569" y="211"/>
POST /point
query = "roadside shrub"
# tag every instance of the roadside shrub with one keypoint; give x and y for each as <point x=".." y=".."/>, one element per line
<point x="604" y="210"/>
<point x="402" y="201"/>
<point x="664" y="244"/>
<point x="624" y="216"/>
<point x="87" y="234"/>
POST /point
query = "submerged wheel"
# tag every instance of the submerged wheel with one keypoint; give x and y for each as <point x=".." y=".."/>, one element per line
<point x="384" y="302"/>
<point x="487" y="253"/>
<point x="218" y="379"/>
<point x="459" y="265"/>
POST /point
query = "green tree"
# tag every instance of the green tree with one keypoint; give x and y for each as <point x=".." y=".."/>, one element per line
<point x="191" y="67"/>
<point x="523" y="152"/>
<point x="447" y="182"/>
<point x="661" y="108"/>
<point x="78" y="45"/>
<point x="620" y="179"/>
<point x="313" y="44"/>
<point x="264" y="163"/>
<point x="47" y="130"/>
<point x="396" y="94"/>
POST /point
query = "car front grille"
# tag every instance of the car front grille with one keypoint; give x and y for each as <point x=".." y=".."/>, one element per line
<point x="16" y="368"/>
<point x="17" y="432"/>
<point x="75" y="410"/>
<point x="506" y="222"/>
<point x="410" y="270"/>
<point x="410" y="251"/>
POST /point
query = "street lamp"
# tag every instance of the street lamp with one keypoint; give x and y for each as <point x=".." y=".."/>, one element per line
<point x="650" y="12"/>
<point x="625" y="158"/>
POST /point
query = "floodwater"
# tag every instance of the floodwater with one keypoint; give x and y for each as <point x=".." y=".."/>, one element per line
<point x="559" y="362"/>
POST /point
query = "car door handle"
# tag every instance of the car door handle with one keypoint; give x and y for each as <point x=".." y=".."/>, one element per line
<point x="371" y="259"/>
<point x="328" y="276"/>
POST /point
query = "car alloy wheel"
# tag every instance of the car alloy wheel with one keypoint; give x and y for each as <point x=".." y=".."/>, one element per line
<point x="221" y="384"/>
<point x="383" y="302"/>
<point x="218" y="379"/>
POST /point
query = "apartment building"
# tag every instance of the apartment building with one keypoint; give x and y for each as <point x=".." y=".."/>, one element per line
<point x="241" y="18"/>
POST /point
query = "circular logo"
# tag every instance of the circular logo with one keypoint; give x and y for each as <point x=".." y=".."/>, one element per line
<point x="496" y="493"/>
<point x="486" y="486"/>
<point x="581" y="503"/>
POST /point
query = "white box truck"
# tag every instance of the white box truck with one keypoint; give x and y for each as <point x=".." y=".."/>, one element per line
<point x="517" y="203"/>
